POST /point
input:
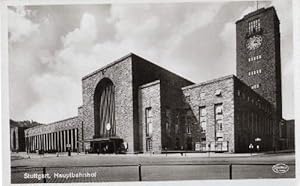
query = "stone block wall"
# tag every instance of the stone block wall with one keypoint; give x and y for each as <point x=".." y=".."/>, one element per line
<point x="270" y="63"/>
<point x="120" y="73"/>
<point x="204" y="95"/>
<point x="145" y="72"/>
<point x="149" y="97"/>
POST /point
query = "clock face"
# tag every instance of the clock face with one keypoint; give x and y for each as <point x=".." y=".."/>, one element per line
<point x="254" y="42"/>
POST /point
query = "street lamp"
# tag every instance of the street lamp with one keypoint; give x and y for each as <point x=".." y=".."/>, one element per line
<point x="257" y="145"/>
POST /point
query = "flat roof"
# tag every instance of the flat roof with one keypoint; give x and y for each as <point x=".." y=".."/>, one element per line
<point x="109" y="65"/>
<point x="258" y="12"/>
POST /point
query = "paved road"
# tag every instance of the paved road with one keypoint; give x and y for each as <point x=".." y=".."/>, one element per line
<point x="153" y="167"/>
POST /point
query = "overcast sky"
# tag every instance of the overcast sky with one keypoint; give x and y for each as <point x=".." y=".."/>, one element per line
<point x="52" y="47"/>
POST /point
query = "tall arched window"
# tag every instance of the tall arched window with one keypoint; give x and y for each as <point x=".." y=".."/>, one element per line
<point x="104" y="109"/>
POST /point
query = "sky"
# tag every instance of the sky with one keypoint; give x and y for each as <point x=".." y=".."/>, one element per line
<point x="51" y="47"/>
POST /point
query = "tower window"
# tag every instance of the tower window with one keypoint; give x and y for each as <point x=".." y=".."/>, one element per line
<point x="254" y="26"/>
<point x="255" y="58"/>
<point x="254" y="72"/>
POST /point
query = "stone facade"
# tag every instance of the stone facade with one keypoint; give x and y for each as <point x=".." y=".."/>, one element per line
<point x="268" y="65"/>
<point x="149" y="98"/>
<point x="270" y="76"/>
<point x="120" y="73"/>
<point x="207" y="95"/>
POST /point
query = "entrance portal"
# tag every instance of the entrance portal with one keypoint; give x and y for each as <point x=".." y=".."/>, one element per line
<point x="108" y="146"/>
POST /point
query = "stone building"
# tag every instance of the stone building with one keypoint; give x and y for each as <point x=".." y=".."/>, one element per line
<point x="136" y="106"/>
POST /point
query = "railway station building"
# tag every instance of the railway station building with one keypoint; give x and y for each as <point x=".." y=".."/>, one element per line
<point x="136" y="106"/>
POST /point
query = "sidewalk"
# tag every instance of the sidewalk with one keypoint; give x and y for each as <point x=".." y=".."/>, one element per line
<point x="24" y="155"/>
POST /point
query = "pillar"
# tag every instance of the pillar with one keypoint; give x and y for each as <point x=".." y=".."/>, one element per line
<point x="76" y="143"/>
<point x="68" y="137"/>
<point x="72" y="139"/>
<point x="65" y="139"/>
<point x="45" y="141"/>
<point x="60" y="141"/>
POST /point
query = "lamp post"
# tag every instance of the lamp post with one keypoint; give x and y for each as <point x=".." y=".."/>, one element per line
<point x="257" y="140"/>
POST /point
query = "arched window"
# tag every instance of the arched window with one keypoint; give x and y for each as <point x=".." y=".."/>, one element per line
<point x="104" y="109"/>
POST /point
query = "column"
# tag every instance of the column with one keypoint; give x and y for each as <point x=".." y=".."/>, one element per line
<point x="46" y="142"/>
<point x="68" y="137"/>
<point x="65" y="139"/>
<point x="30" y="143"/>
<point x="34" y="142"/>
<point x="55" y="141"/>
<point x="76" y="143"/>
<point x="42" y="142"/>
<point x="38" y="142"/>
<point x="72" y="140"/>
<point x="61" y="141"/>
<point x="51" y="142"/>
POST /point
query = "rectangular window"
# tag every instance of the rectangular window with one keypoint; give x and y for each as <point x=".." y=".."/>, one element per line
<point x="148" y="122"/>
<point x="168" y="122"/>
<point x="188" y="129"/>
<point x="203" y="119"/>
<point x="176" y="128"/>
<point x="148" y="145"/>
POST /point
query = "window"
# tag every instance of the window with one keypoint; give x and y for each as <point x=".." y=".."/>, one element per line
<point x="256" y="86"/>
<point x="203" y="119"/>
<point x="168" y="128"/>
<point x="254" y="72"/>
<point x="148" y="122"/>
<point x="188" y="129"/>
<point x="219" y="117"/>
<point x="148" y="144"/>
<point x="168" y="122"/>
<point x="176" y="128"/>
<point x="254" y="26"/>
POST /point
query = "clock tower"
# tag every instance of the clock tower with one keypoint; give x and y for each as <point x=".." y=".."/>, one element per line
<point x="258" y="55"/>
